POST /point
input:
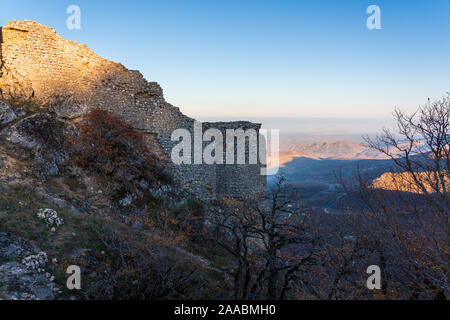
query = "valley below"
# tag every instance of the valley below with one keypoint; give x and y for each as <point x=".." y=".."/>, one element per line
<point x="324" y="175"/>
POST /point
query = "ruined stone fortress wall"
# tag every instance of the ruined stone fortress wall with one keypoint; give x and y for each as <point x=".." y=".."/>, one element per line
<point x="42" y="69"/>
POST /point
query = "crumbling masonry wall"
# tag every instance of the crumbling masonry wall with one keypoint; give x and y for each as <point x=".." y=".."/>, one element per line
<point x="40" y="68"/>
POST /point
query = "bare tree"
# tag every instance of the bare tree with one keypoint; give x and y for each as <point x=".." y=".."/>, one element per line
<point x="413" y="226"/>
<point x="421" y="149"/>
<point x="141" y="265"/>
<point x="270" y="239"/>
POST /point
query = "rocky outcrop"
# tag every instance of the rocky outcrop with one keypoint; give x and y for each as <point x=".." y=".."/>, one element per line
<point x="7" y="113"/>
<point x="22" y="281"/>
<point x="42" y="135"/>
<point x="13" y="247"/>
<point x="68" y="108"/>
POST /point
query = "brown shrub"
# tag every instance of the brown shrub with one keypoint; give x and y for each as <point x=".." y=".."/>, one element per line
<point x="108" y="145"/>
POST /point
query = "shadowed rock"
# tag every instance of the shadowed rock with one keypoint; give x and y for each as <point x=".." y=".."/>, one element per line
<point x="7" y="114"/>
<point x="43" y="136"/>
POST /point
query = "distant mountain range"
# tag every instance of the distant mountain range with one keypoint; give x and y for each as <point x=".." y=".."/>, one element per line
<point x="336" y="150"/>
<point x="343" y="150"/>
<point x="316" y="170"/>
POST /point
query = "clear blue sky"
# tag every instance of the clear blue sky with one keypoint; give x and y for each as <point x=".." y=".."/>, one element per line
<point x="268" y="58"/>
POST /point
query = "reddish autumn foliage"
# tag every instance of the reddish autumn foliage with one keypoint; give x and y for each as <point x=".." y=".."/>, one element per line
<point x="110" y="146"/>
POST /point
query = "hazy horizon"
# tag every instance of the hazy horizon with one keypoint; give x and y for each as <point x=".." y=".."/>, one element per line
<point x="315" y="129"/>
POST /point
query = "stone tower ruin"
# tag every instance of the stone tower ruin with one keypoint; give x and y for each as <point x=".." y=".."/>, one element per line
<point x="40" y="68"/>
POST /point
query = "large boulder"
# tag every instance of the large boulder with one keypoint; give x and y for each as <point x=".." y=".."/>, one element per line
<point x="68" y="108"/>
<point x="7" y="113"/>
<point x="21" y="283"/>
<point x="13" y="247"/>
<point x="42" y="134"/>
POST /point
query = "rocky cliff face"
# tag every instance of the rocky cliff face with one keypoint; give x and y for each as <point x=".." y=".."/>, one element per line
<point x="45" y="72"/>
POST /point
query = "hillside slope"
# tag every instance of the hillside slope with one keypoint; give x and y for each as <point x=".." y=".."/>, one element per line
<point x="134" y="235"/>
